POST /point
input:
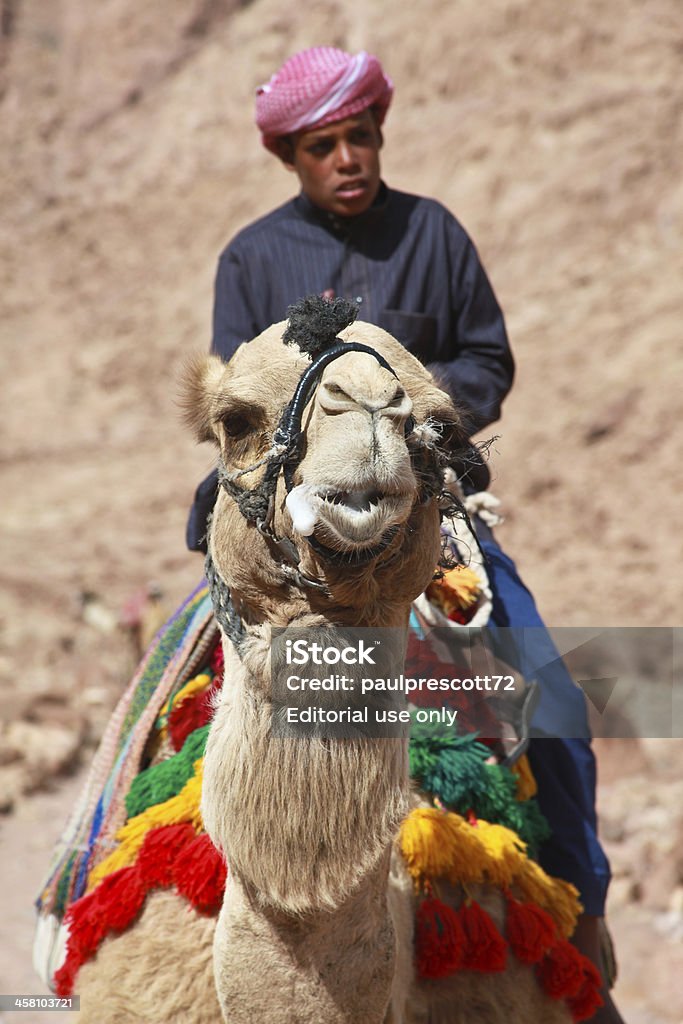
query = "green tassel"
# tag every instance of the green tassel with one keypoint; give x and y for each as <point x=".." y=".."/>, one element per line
<point x="162" y="781"/>
<point x="450" y="766"/>
<point x="499" y="804"/>
<point x="453" y="768"/>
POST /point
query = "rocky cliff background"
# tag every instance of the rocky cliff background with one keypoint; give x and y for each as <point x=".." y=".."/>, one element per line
<point x="128" y="159"/>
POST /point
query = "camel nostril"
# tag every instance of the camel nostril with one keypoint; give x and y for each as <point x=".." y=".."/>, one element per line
<point x="335" y="398"/>
<point x="400" y="407"/>
<point x="335" y="390"/>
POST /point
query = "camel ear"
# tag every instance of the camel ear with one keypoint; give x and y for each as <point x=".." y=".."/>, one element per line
<point x="468" y="460"/>
<point x="199" y="389"/>
<point x="451" y="421"/>
<point x="455" y="428"/>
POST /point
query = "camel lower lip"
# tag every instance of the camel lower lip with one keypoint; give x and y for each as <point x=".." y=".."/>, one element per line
<point x="361" y="518"/>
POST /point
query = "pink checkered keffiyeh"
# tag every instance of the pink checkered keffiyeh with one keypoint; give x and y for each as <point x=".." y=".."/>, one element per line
<point x="318" y="86"/>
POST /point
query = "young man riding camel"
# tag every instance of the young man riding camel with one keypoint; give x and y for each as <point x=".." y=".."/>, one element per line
<point x="413" y="270"/>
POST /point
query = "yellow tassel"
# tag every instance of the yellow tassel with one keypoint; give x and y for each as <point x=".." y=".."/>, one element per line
<point x="526" y="783"/>
<point x="441" y="844"/>
<point x="436" y="844"/>
<point x="458" y="588"/>
<point x="503" y="853"/>
<point x="468" y="856"/>
<point x="178" y="809"/>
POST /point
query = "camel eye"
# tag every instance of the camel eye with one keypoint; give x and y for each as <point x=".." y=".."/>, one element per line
<point x="236" y="425"/>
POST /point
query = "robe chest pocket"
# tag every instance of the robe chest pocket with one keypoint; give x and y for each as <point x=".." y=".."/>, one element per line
<point x="416" y="331"/>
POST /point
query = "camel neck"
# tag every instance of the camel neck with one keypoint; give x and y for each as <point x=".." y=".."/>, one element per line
<point x="333" y="965"/>
<point x="301" y="820"/>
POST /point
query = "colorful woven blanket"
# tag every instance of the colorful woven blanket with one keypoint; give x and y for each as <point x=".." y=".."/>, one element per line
<point x="138" y="827"/>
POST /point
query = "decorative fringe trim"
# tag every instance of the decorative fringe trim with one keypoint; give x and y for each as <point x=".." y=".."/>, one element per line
<point x="456" y="593"/>
<point x="454" y="769"/>
<point x="485" y="948"/>
<point x="199" y="684"/>
<point x="561" y="971"/>
<point x="559" y="898"/>
<point x="504" y="853"/>
<point x="439" y="939"/>
<point x="157" y="857"/>
<point x="437" y="843"/>
<point x="210" y="675"/>
<point x="191" y="707"/>
<point x="588" y="999"/>
<point x="162" y="781"/>
<point x="451" y="767"/>
<point x="200" y="873"/>
<point x="192" y="714"/>
<point x="440" y="844"/>
<point x="178" y="650"/>
<point x="170" y="855"/>
<point x="181" y="808"/>
<point x="111" y="907"/>
<point x="530" y="930"/>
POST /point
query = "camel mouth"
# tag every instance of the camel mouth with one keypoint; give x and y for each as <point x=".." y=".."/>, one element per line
<point x="355" y="501"/>
<point x="360" y="518"/>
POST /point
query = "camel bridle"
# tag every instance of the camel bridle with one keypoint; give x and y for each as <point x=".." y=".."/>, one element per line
<point x="257" y="505"/>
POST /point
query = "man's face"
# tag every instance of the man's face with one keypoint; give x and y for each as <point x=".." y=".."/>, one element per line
<point x="338" y="165"/>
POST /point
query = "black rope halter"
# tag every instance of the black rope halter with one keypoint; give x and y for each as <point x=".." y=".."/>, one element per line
<point x="313" y="326"/>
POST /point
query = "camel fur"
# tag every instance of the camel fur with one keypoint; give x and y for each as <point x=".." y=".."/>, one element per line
<point x="317" y="918"/>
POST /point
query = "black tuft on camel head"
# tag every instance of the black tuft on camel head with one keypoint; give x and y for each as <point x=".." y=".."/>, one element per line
<point x="314" y="323"/>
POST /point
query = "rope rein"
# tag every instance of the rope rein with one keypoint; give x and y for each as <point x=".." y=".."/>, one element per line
<point x="223" y="608"/>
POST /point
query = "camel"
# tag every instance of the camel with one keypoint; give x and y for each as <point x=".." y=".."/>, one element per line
<point x="327" y="520"/>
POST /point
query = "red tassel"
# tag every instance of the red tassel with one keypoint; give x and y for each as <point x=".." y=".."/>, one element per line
<point x="485" y="948"/>
<point x="159" y="851"/>
<point x="439" y="939"/>
<point x="199" y="875"/>
<point x="87" y="928"/>
<point x="192" y="713"/>
<point x="588" y="999"/>
<point x="217" y="662"/>
<point x="561" y="971"/>
<point x="112" y="906"/>
<point x="65" y="977"/>
<point x="530" y="930"/>
<point x="120" y="897"/>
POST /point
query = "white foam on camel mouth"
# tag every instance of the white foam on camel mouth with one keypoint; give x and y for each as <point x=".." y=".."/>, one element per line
<point x="303" y="503"/>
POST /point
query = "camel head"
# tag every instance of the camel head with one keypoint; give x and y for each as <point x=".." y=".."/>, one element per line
<point x="331" y="441"/>
<point x="367" y="431"/>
